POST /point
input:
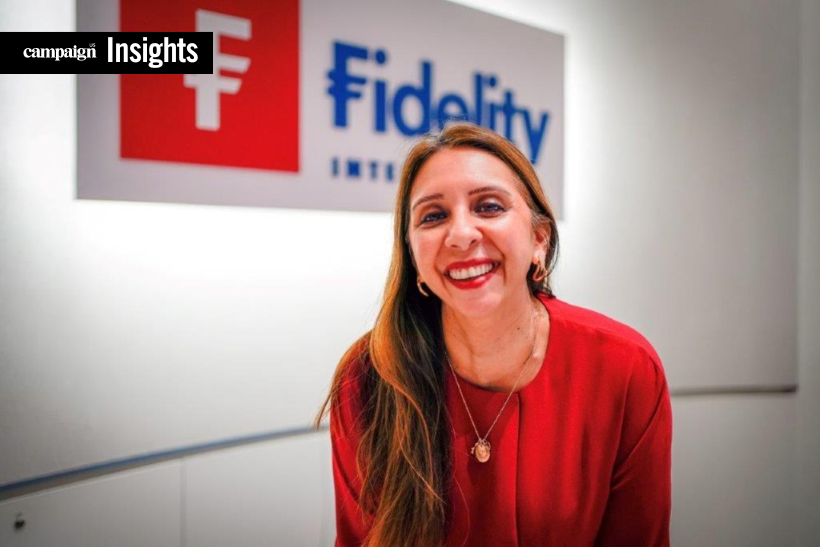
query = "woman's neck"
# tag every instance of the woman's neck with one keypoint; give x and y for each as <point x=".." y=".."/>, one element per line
<point x="491" y="351"/>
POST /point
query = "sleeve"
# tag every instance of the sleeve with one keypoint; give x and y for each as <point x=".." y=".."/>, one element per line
<point x="352" y="525"/>
<point x="639" y="505"/>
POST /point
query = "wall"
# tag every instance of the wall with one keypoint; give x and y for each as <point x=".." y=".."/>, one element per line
<point x="135" y="328"/>
<point x="264" y="494"/>
<point x="683" y="132"/>
<point x="808" y="396"/>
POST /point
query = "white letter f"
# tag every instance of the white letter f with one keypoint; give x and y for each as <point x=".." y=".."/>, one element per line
<point x="210" y="86"/>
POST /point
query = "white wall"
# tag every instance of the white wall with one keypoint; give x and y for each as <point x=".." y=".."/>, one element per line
<point x="131" y="328"/>
<point x="681" y="183"/>
<point x="684" y="123"/>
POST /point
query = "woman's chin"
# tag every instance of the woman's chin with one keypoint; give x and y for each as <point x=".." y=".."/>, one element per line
<point x="474" y="304"/>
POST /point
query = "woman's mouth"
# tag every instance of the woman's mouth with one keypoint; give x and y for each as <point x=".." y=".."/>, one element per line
<point x="471" y="276"/>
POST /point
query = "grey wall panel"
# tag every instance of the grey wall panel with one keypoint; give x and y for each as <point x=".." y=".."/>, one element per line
<point x="733" y="471"/>
<point x="267" y="494"/>
<point x="130" y="509"/>
<point x="808" y="396"/>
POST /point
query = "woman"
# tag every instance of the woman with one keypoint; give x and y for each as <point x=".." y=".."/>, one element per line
<point x="481" y="409"/>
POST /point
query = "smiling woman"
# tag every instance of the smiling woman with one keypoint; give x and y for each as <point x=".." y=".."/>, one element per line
<point x="481" y="409"/>
<point x="471" y="228"/>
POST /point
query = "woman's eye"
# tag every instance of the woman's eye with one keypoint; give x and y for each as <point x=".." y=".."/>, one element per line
<point x="432" y="217"/>
<point x="490" y="207"/>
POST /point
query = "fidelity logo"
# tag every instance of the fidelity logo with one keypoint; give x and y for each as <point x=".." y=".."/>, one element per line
<point x="486" y="103"/>
<point x="245" y="111"/>
<point x="242" y="112"/>
<point x="209" y="87"/>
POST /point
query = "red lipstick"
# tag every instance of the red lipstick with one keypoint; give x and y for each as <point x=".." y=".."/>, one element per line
<point x="473" y="282"/>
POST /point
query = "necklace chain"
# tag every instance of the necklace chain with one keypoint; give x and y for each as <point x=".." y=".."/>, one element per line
<point x="481" y="450"/>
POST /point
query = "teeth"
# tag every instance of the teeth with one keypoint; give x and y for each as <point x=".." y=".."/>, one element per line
<point x="468" y="273"/>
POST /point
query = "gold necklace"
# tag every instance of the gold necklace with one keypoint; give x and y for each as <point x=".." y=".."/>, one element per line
<point x="481" y="449"/>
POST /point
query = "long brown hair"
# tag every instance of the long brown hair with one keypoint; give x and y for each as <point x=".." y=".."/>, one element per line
<point x="404" y="451"/>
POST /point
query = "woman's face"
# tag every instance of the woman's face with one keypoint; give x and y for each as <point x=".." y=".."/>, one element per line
<point x="471" y="231"/>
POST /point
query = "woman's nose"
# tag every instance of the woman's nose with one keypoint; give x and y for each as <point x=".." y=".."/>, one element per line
<point x="462" y="231"/>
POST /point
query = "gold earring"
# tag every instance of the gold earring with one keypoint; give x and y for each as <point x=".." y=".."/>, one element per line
<point x="421" y="289"/>
<point x="540" y="273"/>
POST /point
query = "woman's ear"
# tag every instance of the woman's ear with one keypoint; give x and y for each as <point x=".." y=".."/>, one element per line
<point x="542" y="236"/>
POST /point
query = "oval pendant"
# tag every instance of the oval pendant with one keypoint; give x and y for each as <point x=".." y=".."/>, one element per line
<point x="481" y="451"/>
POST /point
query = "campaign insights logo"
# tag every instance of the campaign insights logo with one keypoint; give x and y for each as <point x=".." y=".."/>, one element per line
<point x="110" y="53"/>
<point x="244" y="114"/>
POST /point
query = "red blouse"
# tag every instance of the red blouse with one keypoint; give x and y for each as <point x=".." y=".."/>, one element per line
<point x="580" y="456"/>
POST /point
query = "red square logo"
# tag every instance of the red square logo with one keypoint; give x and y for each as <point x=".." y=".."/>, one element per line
<point x="246" y="114"/>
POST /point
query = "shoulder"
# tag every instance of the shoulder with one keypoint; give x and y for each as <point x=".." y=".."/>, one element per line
<point x="599" y="333"/>
<point x="605" y="361"/>
<point x="601" y="354"/>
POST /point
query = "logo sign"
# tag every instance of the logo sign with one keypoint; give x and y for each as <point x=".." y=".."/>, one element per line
<point x="245" y="114"/>
<point x="311" y="104"/>
<point x="110" y="53"/>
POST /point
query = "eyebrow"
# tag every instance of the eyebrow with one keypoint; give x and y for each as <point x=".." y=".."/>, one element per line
<point x="482" y="190"/>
